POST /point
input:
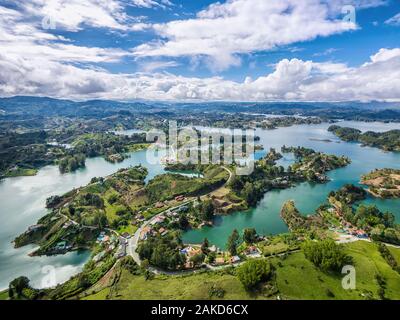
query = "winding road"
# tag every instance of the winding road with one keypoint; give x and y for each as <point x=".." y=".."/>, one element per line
<point x="134" y="240"/>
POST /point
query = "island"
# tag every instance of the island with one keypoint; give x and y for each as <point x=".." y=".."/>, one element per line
<point x="383" y="183"/>
<point x="388" y="141"/>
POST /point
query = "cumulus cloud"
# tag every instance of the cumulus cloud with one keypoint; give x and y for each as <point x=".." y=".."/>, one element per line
<point x="292" y="80"/>
<point x="36" y="62"/>
<point x="151" y="66"/>
<point x="152" y="3"/>
<point x="73" y="14"/>
<point x="223" y="31"/>
<point x="21" y="40"/>
<point x="394" y="20"/>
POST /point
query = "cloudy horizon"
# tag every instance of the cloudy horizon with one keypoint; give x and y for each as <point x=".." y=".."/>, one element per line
<point x="172" y="50"/>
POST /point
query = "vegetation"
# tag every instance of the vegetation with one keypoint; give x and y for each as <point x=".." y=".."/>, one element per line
<point x="383" y="183"/>
<point x="100" y="204"/>
<point x="389" y="141"/>
<point x="349" y="194"/>
<point x="312" y="166"/>
<point x="19" y="289"/>
<point x="388" y="256"/>
<point x="379" y="225"/>
<point x="325" y="254"/>
<point x="163" y="252"/>
<point x="167" y="186"/>
<point x="249" y="235"/>
<point x="298" y="223"/>
<point x="25" y="153"/>
<point x="253" y="272"/>
<point x="71" y="163"/>
<point x="233" y="242"/>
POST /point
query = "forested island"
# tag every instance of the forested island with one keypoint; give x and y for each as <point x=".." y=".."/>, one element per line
<point x="24" y="153"/>
<point x="388" y="141"/>
<point x="383" y="183"/>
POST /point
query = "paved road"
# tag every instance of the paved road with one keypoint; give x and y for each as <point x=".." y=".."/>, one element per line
<point x="134" y="240"/>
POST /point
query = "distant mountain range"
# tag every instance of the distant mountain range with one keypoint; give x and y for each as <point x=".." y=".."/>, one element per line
<point x="44" y="106"/>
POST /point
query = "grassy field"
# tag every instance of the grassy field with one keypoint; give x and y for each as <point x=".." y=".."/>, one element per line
<point x="395" y="252"/>
<point x="296" y="278"/>
<point x="4" y="295"/>
<point x="20" y="172"/>
<point x="195" y="286"/>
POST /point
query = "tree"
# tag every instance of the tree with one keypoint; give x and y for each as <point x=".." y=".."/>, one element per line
<point x="18" y="284"/>
<point x="183" y="222"/>
<point x="204" y="246"/>
<point x="207" y="210"/>
<point x="197" y="259"/>
<point x="253" y="272"/>
<point x="211" y="257"/>
<point x="250" y="235"/>
<point x="233" y="242"/>
<point x="325" y="254"/>
<point x="249" y="194"/>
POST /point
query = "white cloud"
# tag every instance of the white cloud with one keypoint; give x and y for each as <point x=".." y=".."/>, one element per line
<point x="385" y="54"/>
<point x="35" y="62"/>
<point x="394" y="20"/>
<point x="298" y="80"/>
<point x="152" y="3"/>
<point x="151" y="66"/>
<point x="73" y="14"/>
<point x="224" y="31"/>
<point x="337" y="5"/>
<point x="20" y="40"/>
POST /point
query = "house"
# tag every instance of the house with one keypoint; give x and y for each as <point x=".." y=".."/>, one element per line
<point x="220" y="261"/>
<point x="67" y="225"/>
<point x="99" y="256"/>
<point x="213" y="248"/>
<point x="62" y="245"/>
<point x="157" y="220"/>
<point x="179" y="198"/>
<point x="126" y="235"/>
<point x="235" y="259"/>
<point x="35" y="227"/>
<point x="190" y="251"/>
<point x="101" y="236"/>
<point x="146" y="232"/>
<point x="162" y="231"/>
<point x="159" y="205"/>
<point x="251" y="250"/>
<point x="182" y="209"/>
<point x="121" y="251"/>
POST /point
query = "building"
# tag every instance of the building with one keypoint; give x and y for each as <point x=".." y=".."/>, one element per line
<point x="147" y="231"/>
<point x="99" y="256"/>
<point x="121" y="251"/>
<point x="235" y="259"/>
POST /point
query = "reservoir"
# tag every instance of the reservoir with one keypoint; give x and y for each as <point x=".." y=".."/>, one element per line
<point x="23" y="198"/>
<point x="307" y="196"/>
<point x="23" y="203"/>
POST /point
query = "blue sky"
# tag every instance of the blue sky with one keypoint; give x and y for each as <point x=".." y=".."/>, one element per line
<point x="242" y="50"/>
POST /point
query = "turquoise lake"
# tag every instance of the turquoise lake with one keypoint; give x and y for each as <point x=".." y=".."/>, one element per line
<point x="23" y="198"/>
<point x="308" y="197"/>
<point x="23" y="203"/>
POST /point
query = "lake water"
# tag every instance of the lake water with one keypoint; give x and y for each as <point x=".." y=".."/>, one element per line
<point x="23" y="198"/>
<point x="308" y="197"/>
<point x="23" y="203"/>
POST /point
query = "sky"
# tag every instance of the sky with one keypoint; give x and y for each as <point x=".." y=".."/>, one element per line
<point x="201" y="50"/>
